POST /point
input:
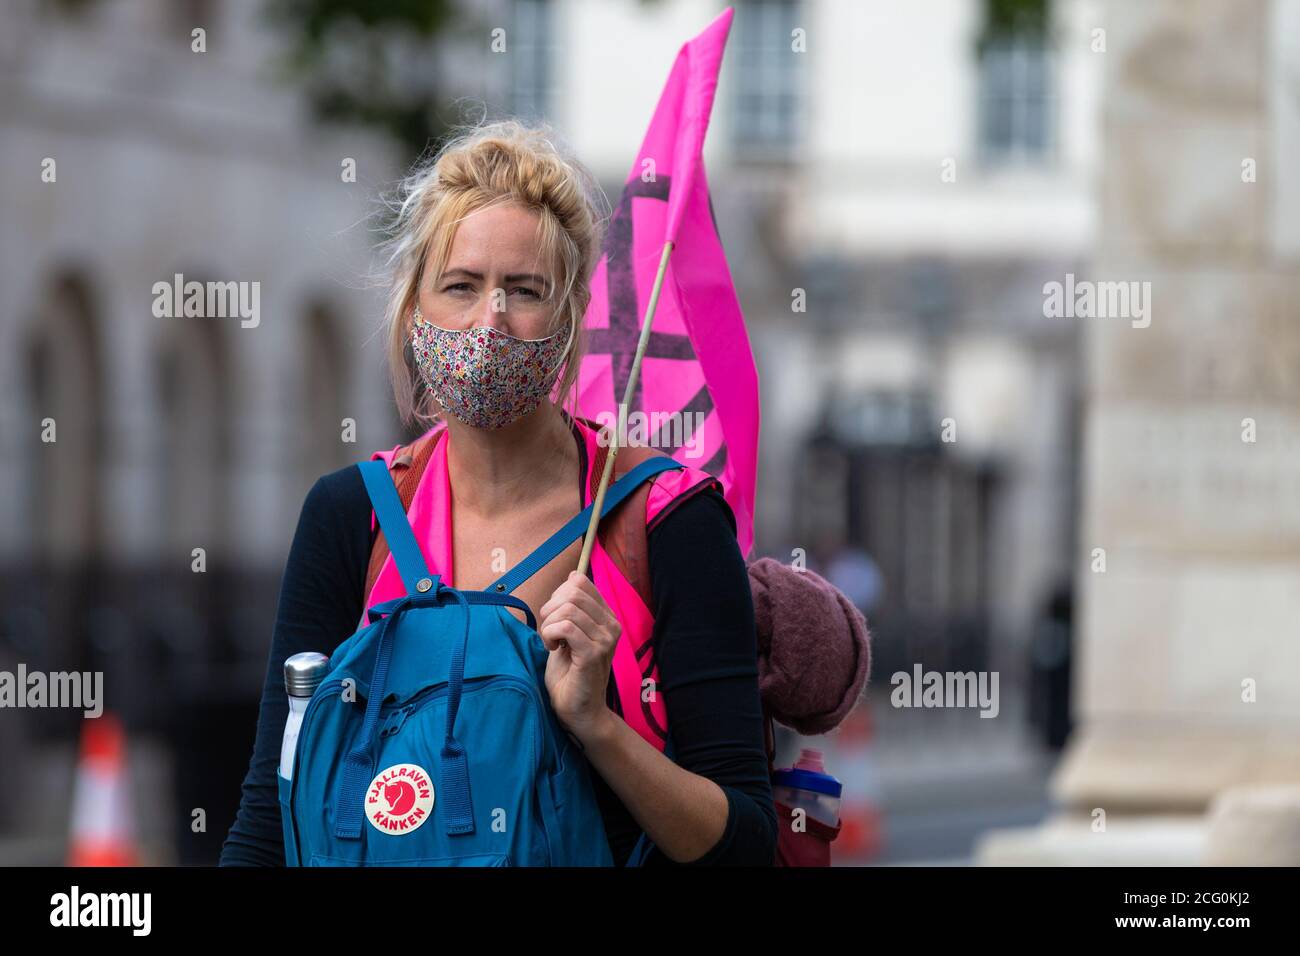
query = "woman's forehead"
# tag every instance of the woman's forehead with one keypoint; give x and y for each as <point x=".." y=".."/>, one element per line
<point x="503" y="239"/>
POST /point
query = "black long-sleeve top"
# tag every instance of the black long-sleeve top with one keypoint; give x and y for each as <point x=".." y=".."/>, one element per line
<point x="704" y="642"/>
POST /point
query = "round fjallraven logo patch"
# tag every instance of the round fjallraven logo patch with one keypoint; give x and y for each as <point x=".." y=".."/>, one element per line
<point x="399" y="799"/>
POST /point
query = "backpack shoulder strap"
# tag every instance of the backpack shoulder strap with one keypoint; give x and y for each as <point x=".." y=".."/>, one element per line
<point x="392" y="519"/>
<point x="623" y="533"/>
<point x="577" y="525"/>
<point x="407" y="468"/>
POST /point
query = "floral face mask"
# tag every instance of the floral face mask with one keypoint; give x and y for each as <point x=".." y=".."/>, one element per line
<point x="485" y="377"/>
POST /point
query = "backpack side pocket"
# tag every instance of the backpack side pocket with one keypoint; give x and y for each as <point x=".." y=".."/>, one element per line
<point x="285" y="788"/>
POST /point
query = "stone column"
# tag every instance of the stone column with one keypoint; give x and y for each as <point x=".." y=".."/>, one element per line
<point x="1188" y="645"/>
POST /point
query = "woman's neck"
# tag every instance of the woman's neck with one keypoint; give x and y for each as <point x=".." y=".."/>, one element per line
<point x="505" y="469"/>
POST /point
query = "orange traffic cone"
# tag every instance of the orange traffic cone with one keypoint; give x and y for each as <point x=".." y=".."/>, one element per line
<point x="861" y="830"/>
<point x="102" y="834"/>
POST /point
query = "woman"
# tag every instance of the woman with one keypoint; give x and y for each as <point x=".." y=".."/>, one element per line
<point x="493" y="252"/>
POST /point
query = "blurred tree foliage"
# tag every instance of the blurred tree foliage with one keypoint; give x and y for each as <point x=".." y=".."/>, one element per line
<point x="1015" y="20"/>
<point x="368" y="62"/>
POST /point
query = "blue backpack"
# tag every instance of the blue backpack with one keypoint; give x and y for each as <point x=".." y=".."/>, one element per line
<point x="431" y="740"/>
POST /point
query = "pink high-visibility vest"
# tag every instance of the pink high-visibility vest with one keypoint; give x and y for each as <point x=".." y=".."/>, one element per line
<point x="634" y="660"/>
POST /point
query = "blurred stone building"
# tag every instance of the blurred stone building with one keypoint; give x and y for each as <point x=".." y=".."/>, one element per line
<point x="1189" y="565"/>
<point x="129" y="158"/>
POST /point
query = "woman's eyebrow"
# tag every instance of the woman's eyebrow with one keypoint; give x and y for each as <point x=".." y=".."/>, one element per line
<point x="526" y="277"/>
<point x="513" y="277"/>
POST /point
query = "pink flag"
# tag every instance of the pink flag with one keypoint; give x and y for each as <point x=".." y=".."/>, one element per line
<point x="697" y="395"/>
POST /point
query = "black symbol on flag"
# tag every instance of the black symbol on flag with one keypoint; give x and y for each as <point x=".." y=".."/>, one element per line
<point x="619" y="341"/>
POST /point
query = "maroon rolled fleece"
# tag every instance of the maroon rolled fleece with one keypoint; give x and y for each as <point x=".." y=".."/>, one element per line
<point x="814" y="649"/>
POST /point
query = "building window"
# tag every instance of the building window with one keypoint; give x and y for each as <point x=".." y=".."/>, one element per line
<point x="532" y="53"/>
<point x="1017" y="93"/>
<point x="767" y="77"/>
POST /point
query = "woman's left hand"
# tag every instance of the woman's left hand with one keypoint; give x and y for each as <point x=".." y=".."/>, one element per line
<point x="581" y="632"/>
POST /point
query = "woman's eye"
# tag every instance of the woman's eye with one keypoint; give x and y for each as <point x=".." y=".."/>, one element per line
<point x="528" y="290"/>
<point x="458" y="285"/>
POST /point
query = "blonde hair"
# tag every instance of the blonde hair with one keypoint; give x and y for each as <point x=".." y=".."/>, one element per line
<point x="479" y="166"/>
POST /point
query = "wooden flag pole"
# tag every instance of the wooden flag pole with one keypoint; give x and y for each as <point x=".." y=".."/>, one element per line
<point x="590" y="538"/>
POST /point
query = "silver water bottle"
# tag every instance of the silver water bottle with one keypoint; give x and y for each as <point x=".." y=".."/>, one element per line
<point x="302" y="675"/>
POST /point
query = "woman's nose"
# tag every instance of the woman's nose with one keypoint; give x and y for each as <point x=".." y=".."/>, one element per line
<point x="491" y="310"/>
